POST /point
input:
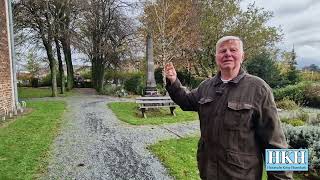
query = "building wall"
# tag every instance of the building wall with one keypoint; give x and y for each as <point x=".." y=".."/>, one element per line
<point x="6" y="97"/>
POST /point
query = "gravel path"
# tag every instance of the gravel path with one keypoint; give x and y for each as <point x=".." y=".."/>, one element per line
<point x="94" y="144"/>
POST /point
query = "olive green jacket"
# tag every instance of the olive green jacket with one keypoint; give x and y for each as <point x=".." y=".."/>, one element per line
<point x="238" y="121"/>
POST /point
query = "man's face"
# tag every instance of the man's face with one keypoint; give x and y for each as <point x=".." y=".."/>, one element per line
<point x="229" y="56"/>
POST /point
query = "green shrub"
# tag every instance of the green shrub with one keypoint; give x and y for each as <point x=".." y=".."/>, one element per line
<point x="113" y="90"/>
<point x="301" y="136"/>
<point x="304" y="116"/>
<point x="263" y="66"/>
<point x="109" y="89"/>
<point x="135" y="83"/>
<point x="312" y="95"/>
<point x="46" y="81"/>
<point x="195" y="81"/>
<point x="158" y="76"/>
<point x="87" y="84"/>
<point x="304" y="93"/>
<point x="287" y="104"/>
<point x="305" y="137"/>
<point x="310" y="76"/>
<point x="86" y="74"/>
<point x="294" y="122"/>
<point x="115" y="76"/>
<point x="314" y="153"/>
<point x="34" y="82"/>
<point x="297" y="122"/>
<point x="161" y="89"/>
<point x="185" y="77"/>
<point x="292" y="92"/>
<point x="188" y="80"/>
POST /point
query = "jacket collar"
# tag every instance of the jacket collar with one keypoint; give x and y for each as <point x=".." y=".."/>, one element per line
<point x="217" y="78"/>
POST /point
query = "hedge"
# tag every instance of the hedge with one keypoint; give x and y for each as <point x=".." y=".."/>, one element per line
<point x="304" y="93"/>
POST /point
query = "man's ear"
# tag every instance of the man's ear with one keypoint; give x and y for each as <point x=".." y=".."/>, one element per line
<point x="242" y="58"/>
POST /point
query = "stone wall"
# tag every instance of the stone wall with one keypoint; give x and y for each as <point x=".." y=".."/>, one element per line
<point x="6" y="101"/>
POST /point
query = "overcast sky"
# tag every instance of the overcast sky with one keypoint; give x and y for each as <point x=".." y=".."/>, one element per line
<point x="300" y="21"/>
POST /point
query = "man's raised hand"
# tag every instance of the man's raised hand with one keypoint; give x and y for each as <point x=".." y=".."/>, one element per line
<point x="170" y="72"/>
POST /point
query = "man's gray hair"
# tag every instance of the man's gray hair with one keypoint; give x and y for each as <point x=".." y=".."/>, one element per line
<point x="227" y="38"/>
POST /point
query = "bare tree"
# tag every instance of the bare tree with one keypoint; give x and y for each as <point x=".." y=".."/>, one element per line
<point x="35" y="15"/>
<point x="104" y="34"/>
<point x="65" y="13"/>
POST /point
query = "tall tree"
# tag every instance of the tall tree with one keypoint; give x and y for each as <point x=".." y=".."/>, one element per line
<point x="266" y="68"/>
<point x="57" y="16"/>
<point x="293" y="75"/>
<point x="39" y="20"/>
<point x="288" y="66"/>
<point x="65" y="12"/>
<point x="217" y="17"/>
<point x="103" y="36"/>
<point x="220" y="18"/>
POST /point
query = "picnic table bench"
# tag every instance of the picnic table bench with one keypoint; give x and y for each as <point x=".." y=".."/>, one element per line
<point x="146" y="103"/>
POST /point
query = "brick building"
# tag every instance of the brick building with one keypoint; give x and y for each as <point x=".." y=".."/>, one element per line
<point x="7" y="93"/>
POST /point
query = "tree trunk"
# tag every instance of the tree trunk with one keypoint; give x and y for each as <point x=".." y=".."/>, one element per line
<point x="65" y="41"/>
<point x="100" y="82"/>
<point x="93" y="73"/>
<point x="53" y="68"/>
<point x="96" y="62"/>
<point x="61" y="72"/>
<point x="99" y="77"/>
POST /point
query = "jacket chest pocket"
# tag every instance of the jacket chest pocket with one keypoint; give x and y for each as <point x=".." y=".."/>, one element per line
<point x="205" y="105"/>
<point x="205" y="111"/>
<point x="238" y="116"/>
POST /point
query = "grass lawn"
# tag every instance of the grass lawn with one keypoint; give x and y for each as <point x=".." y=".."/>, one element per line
<point x="28" y="92"/>
<point x="25" y="141"/>
<point x="179" y="157"/>
<point x="129" y="112"/>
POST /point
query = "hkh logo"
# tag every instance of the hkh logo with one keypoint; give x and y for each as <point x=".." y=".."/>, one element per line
<point x="286" y="159"/>
<point x="283" y="157"/>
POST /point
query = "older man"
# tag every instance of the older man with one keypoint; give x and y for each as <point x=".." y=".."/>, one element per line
<point x="238" y="117"/>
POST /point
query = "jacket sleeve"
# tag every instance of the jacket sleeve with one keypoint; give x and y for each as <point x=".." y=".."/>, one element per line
<point x="188" y="101"/>
<point x="270" y="133"/>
